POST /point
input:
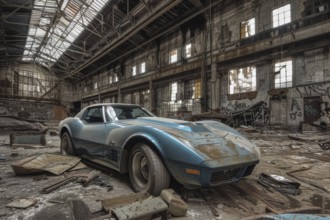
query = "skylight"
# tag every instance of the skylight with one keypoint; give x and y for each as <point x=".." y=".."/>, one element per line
<point x="74" y="17"/>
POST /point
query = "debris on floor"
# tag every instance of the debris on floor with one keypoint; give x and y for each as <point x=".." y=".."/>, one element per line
<point x="176" y="206"/>
<point x="52" y="163"/>
<point x="142" y="209"/>
<point x="138" y="205"/>
<point x="22" y="203"/>
<point x="23" y="138"/>
<point x="325" y="145"/>
<point x="57" y="184"/>
<point x="279" y="183"/>
<point x="2" y="157"/>
<point x="64" y="196"/>
<point x="91" y="176"/>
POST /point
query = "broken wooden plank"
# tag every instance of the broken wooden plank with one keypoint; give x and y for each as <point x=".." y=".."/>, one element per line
<point x="206" y="196"/>
<point x="58" y="184"/>
<point x="92" y="175"/>
<point x="22" y="203"/>
<point x="253" y="191"/>
<point x="313" y="138"/>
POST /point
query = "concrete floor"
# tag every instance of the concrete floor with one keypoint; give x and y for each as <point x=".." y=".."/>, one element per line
<point x="280" y="154"/>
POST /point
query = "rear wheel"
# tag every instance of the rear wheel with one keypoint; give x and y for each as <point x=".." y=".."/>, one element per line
<point x="66" y="145"/>
<point x="147" y="171"/>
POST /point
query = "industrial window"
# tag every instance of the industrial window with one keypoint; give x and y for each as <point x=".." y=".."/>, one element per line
<point x="95" y="85"/>
<point x="248" y="28"/>
<point x="242" y="80"/>
<point x="113" y="78"/>
<point x="283" y="74"/>
<point x="282" y="15"/>
<point x="134" y="71"/>
<point x="188" y="50"/>
<point x="173" y="56"/>
<point x="174" y="91"/>
<point x="143" y="67"/>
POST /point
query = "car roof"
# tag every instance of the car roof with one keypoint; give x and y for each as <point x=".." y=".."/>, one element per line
<point x="114" y="104"/>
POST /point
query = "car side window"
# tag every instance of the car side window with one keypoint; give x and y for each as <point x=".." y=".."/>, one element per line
<point x="94" y="115"/>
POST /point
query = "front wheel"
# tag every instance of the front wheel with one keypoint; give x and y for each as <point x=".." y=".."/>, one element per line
<point x="66" y="145"/>
<point x="147" y="171"/>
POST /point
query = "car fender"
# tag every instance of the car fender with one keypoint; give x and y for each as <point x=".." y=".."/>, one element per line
<point x="169" y="155"/>
<point x="65" y="125"/>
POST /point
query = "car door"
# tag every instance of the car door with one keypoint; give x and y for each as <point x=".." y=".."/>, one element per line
<point x="112" y="149"/>
<point x="92" y="134"/>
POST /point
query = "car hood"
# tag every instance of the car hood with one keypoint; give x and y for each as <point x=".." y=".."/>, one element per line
<point x="212" y="139"/>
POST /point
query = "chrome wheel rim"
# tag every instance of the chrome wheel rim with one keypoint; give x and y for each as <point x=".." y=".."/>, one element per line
<point x="140" y="169"/>
<point x="65" y="145"/>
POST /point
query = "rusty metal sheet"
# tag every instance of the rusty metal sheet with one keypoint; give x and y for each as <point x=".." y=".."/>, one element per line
<point x="52" y="163"/>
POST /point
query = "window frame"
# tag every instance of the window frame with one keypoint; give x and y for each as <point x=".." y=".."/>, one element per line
<point x="281" y="16"/>
<point x="172" y="56"/>
<point x="239" y="70"/>
<point x="143" y="67"/>
<point x="134" y="70"/>
<point x="288" y="84"/>
<point x="190" y="50"/>
<point x="247" y="32"/>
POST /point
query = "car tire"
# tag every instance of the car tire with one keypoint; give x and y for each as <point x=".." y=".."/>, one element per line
<point x="147" y="171"/>
<point x="66" y="145"/>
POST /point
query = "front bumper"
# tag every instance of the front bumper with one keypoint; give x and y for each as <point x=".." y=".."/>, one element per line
<point x="215" y="172"/>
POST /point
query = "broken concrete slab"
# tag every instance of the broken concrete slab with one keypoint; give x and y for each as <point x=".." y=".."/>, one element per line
<point x="22" y="203"/>
<point x="109" y="204"/>
<point x="27" y="137"/>
<point x="176" y="206"/>
<point x="142" y="209"/>
<point x="52" y="163"/>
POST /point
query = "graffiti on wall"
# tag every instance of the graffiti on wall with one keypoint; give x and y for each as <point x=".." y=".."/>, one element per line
<point x="242" y="115"/>
<point x="296" y="111"/>
<point x="227" y="110"/>
<point x="314" y="90"/>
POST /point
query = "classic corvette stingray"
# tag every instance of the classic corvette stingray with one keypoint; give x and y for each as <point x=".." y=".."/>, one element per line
<point x="129" y="138"/>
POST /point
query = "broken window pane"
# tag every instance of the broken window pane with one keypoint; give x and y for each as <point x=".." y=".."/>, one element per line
<point x="283" y="74"/>
<point x="173" y="56"/>
<point x="242" y="80"/>
<point x="174" y="91"/>
<point x="188" y="50"/>
<point x="134" y="71"/>
<point x="248" y="28"/>
<point x="143" y="67"/>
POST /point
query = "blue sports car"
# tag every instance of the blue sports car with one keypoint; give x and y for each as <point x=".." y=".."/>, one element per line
<point x="129" y="138"/>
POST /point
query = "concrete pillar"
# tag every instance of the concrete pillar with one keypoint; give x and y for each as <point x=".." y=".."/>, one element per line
<point x="152" y="98"/>
<point x="215" y="88"/>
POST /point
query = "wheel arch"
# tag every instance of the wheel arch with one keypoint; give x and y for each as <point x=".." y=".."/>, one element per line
<point x="65" y="129"/>
<point x="124" y="161"/>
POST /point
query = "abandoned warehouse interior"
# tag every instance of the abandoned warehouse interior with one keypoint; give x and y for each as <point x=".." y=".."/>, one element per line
<point x="259" y="66"/>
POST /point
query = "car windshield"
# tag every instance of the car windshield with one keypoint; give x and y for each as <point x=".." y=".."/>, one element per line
<point x="127" y="112"/>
